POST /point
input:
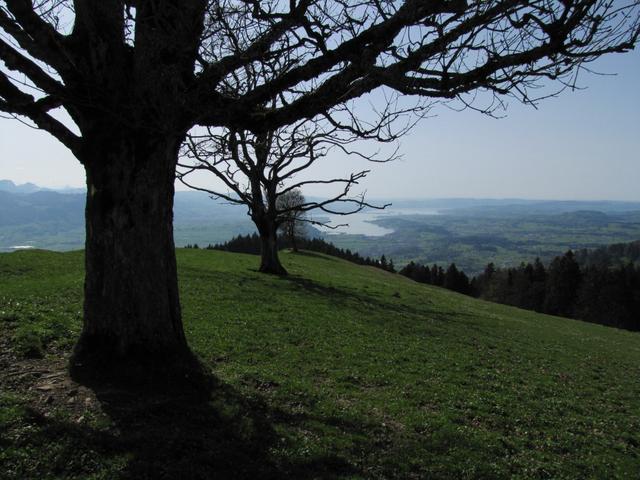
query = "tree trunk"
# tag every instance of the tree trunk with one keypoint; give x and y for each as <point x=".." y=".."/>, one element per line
<point x="131" y="304"/>
<point x="269" y="260"/>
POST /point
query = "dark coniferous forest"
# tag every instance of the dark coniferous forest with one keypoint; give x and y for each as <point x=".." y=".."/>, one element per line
<point x="600" y="286"/>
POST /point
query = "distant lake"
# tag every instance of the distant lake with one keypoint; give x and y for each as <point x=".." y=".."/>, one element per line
<point x="362" y="223"/>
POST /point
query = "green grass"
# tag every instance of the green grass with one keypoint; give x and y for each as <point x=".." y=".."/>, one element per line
<point x="338" y="371"/>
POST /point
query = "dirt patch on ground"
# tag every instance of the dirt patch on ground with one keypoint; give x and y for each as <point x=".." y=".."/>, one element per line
<point x="44" y="382"/>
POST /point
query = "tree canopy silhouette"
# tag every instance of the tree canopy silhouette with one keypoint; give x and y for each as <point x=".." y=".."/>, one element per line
<point x="295" y="217"/>
<point x="260" y="172"/>
<point x="135" y="76"/>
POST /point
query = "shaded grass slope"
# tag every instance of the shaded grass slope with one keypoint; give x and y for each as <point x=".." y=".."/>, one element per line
<point x="337" y="371"/>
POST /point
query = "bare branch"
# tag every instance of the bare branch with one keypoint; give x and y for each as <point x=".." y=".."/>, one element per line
<point x="34" y="34"/>
<point x="19" y="63"/>
<point x="13" y="101"/>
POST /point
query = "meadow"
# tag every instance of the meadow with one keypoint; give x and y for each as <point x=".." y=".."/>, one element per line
<point x="337" y="371"/>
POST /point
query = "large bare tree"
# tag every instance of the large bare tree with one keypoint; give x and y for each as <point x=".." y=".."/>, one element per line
<point x="135" y="76"/>
<point x="260" y="171"/>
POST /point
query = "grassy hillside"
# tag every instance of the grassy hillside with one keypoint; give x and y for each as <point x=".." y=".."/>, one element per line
<point x="337" y="371"/>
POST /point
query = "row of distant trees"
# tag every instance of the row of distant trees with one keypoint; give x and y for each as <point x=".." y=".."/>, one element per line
<point x="617" y="254"/>
<point x="252" y="244"/>
<point x="451" y="278"/>
<point x="600" y="288"/>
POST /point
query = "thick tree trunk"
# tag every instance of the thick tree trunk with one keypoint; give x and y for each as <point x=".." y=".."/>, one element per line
<point x="269" y="260"/>
<point x="131" y="306"/>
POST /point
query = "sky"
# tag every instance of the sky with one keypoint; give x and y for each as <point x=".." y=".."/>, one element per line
<point x="583" y="145"/>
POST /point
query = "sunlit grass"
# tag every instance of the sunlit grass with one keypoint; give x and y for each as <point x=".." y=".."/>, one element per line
<point x="365" y="374"/>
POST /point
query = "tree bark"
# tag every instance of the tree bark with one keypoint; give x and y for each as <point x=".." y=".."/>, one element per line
<point x="131" y="306"/>
<point x="269" y="259"/>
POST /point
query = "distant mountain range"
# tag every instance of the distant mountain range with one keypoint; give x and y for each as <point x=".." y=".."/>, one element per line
<point x="54" y="219"/>
<point x="11" y="187"/>
<point x="507" y="229"/>
<point x="41" y="206"/>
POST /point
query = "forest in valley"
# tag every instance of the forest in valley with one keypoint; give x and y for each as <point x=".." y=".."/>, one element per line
<point x="506" y="233"/>
<point x="600" y="286"/>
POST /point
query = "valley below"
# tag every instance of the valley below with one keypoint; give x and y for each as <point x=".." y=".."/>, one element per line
<point x="467" y="232"/>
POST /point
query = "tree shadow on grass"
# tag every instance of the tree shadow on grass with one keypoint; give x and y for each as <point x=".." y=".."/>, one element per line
<point x="307" y="253"/>
<point x="203" y="433"/>
<point x="215" y="433"/>
<point x="367" y="302"/>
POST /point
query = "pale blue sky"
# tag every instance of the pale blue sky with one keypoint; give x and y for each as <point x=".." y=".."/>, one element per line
<point x="582" y="145"/>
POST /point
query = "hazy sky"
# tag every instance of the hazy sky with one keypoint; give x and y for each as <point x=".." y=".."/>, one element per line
<point x="582" y="145"/>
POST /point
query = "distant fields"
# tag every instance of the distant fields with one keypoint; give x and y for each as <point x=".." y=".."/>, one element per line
<point x="506" y="238"/>
<point x="468" y="232"/>
<point x="337" y="371"/>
